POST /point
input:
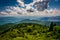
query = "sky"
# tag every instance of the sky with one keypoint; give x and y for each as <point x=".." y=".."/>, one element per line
<point x="29" y="7"/>
<point x="54" y="4"/>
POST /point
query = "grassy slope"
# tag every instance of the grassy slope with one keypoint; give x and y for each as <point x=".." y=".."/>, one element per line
<point x="30" y="31"/>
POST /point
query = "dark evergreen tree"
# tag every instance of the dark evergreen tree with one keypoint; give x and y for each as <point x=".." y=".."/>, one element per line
<point x="52" y="26"/>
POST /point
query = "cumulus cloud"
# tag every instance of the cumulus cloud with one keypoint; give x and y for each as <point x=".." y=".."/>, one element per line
<point x="30" y="10"/>
<point x="21" y="3"/>
<point x="16" y="11"/>
<point x="40" y="4"/>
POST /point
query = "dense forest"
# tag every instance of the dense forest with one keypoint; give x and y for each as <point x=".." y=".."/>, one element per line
<point x="30" y="31"/>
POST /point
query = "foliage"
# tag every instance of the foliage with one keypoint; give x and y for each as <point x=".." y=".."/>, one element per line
<point x="52" y="26"/>
<point x="31" y="31"/>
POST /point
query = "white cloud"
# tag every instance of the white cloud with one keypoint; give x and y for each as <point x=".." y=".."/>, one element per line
<point x="28" y="6"/>
<point x="21" y="3"/>
<point x="17" y="11"/>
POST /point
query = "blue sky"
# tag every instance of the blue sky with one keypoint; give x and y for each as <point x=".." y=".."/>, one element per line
<point x="54" y="4"/>
<point x="29" y="8"/>
<point x="5" y="3"/>
<point x="27" y="1"/>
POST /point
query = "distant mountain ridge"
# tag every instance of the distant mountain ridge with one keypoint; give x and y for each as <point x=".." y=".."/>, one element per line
<point x="57" y="18"/>
<point x="4" y="20"/>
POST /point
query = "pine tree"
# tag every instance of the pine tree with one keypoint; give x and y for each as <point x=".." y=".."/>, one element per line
<point x="52" y="26"/>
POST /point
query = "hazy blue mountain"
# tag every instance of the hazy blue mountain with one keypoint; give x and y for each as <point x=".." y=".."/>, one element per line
<point x="4" y="20"/>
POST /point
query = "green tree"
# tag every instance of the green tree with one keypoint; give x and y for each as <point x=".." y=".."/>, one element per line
<point x="52" y="26"/>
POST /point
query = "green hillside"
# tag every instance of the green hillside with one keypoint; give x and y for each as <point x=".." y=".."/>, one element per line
<point x="31" y="31"/>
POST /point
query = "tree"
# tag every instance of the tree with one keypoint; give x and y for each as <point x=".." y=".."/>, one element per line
<point x="52" y="26"/>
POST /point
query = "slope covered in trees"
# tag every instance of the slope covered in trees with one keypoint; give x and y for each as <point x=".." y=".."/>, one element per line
<point x="31" y="31"/>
